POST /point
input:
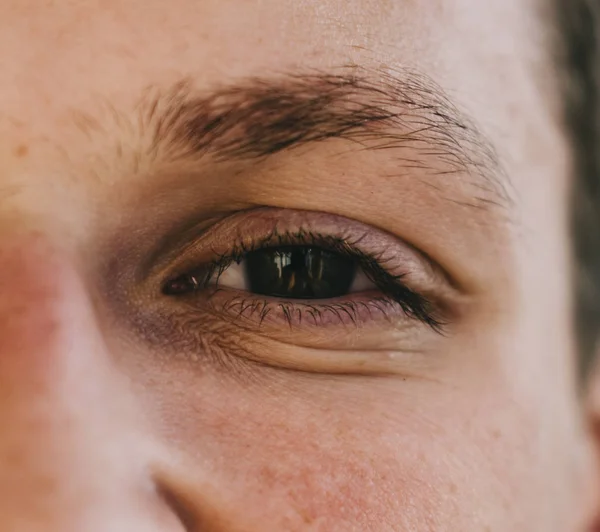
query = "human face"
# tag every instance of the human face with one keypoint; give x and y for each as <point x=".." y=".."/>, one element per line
<point x="176" y="178"/>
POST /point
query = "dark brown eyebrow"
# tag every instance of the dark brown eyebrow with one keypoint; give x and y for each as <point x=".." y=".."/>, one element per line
<point x="259" y="117"/>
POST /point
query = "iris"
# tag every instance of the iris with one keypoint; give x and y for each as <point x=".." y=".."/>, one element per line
<point x="299" y="272"/>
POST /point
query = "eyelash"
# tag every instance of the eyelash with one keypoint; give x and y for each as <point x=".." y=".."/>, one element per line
<point x="395" y="293"/>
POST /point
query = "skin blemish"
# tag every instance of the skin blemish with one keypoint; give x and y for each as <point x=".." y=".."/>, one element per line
<point x="21" y="151"/>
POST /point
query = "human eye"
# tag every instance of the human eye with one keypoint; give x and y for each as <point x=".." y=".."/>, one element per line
<point x="292" y="289"/>
<point x="305" y="270"/>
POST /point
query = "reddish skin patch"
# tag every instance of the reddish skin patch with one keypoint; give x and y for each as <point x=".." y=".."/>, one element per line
<point x="36" y="282"/>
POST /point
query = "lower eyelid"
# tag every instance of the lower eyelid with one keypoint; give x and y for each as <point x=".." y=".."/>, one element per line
<point x="336" y="361"/>
<point x="259" y="312"/>
<point x="211" y="340"/>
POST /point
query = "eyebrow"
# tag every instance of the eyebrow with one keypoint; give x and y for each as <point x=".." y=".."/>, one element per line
<point x="259" y="117"/>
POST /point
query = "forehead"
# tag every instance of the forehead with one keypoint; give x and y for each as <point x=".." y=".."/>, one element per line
<point x="65" y="51"/>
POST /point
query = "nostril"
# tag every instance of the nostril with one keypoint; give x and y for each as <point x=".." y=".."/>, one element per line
<point x="196" y="505"/>
<point x="180" y="507"/>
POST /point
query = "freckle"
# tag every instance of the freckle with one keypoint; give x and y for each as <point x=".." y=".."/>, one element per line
<point x="21" y="151"/>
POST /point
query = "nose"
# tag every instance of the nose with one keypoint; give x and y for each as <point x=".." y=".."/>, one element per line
<point x="73" y="454"/>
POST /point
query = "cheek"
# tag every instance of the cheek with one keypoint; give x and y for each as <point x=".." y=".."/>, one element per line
<point x="285" y="450"/>
<point x="293" y="451"/>
<point x="303" y="464"/>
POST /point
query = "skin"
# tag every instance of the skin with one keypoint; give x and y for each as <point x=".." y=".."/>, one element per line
<point x="125" y="409"/>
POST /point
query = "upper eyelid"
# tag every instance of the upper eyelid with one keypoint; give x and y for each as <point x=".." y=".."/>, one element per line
<point x="261" y="224"/>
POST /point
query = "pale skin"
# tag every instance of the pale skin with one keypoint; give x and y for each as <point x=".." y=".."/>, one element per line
<point x="126" y="408"/>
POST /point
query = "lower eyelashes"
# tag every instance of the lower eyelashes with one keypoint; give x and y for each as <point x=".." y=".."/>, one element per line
<point x="246" y="309"/>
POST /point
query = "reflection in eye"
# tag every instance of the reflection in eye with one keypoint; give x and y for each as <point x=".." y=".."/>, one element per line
<point x="296" y="272"/>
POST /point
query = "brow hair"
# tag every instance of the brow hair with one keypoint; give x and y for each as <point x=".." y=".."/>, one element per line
<point x="260" y="117"/>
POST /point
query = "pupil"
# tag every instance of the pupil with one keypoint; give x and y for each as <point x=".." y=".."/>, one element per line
<point x="299" y="272"/>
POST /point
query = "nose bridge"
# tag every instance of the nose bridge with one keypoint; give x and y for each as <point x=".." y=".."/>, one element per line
<point x="70" y="453"/>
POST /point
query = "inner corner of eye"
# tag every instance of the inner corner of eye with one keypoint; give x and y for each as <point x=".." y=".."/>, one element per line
<point x="179" y="285"/>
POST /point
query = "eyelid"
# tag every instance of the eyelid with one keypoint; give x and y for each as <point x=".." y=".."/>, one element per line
<point x="245" y="228"/>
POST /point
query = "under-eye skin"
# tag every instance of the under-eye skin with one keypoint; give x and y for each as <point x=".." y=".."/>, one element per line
<point x="304" y="269"/>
